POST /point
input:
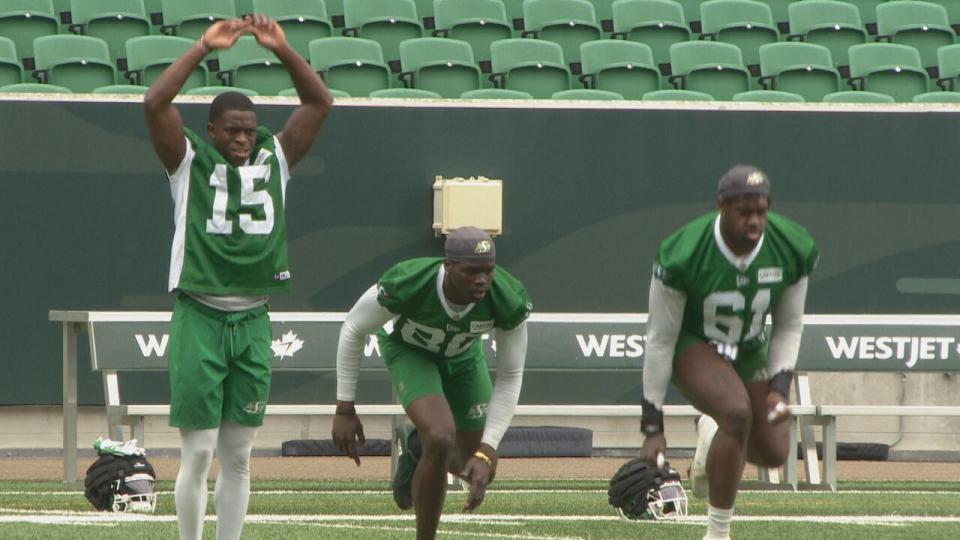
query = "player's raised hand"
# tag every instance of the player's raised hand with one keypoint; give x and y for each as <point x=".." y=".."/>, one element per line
<point x="348" y="435"/>
<point x="223" y="34"/>
<point x="267" y="31"/>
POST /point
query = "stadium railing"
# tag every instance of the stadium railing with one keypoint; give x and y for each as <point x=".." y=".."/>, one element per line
<point x="594" y="349"/>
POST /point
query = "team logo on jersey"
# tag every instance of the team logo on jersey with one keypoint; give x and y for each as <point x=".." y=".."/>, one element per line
<point x="282" y="276"/>
<point x="755" y="178"/>
<point x="742" y="280"/>
<point x="660" y="272"/>
<point x="770" y="275"/>
<point x="287" y="345"/>
<point x="482" y="246"/>
<point x="480" y="326"/>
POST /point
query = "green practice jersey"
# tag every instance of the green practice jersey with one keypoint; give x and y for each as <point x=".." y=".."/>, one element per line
<point x="726" y="304"/>
<point x="412" y="289"/>
<point x="231" y="235"/>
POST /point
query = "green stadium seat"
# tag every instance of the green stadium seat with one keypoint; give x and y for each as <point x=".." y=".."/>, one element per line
<point x="953" y="12"/>
<point x="691" y="12"/>
<point x="868" y="13"/>
<point x="768" y="96"/>
<point x="11" y="72"/>
<point x="34" y="88"/>
<point x="709" y="66"/>
<point x="440" y="65"/>
<point x="22" y="21"/>
<point x="353" y="65"/>
<point x="603" y="9"/>
<point x="948" y="66"/>
<point x="657" y="23"/>
<point x="677" y="95"/>
<point x="921" y="25"/>
<point x="388" y="22"/>
<point x="249" y="65"/>
<point x="114" y="21"/>
<point x="937" y="97"/>
<point x="217" y="90"/>
<point x="191" y="19"/>
<point x="624" y="67"/>
<point x="835" y="25"/>
<point x="292" y="92"/>
<point x="779" y="9"/>
<point x="425" y="10"/>
<point x="149" y="56"/>
<point x="61" y="10"/>
<point x="495" y="93"/>
<point x="849" y="96"/>
<point x="244" y="7"/>
<point x="587" y="94"/>
<point x="800" y="68"/>
<point x="302" y="20"/>
<point x="478" y="22"/>
<point x="335" y="12"/>
<point x="121" y="89"/>
<point x="81" y="63"/>
<point x="405" y="93"/>
<point x="744" y="23"/>
<point x="566" y="22"/>
<point x="531" y="65"/>
<point x="887" y="68"/>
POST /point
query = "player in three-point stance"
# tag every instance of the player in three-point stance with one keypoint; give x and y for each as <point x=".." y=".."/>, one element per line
<point x="229" y="253"/>
<point x="714" y="282"/>
<point x="440" y="309"/>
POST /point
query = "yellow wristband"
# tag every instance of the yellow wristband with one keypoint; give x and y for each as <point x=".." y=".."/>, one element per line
<point x="484" y="457"/>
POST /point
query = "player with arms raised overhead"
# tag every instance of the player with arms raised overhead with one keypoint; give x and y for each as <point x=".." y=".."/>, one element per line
<point x="714" y="282"/>
<point x="229" y="252"/>
<point x="440" y="309"/>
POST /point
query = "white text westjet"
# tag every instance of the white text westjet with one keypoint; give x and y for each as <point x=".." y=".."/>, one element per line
<point x="908" y="349"/>
<point x="611" y="345"/>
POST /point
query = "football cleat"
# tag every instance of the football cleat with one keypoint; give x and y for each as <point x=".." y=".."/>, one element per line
<point x="402" y="482"/>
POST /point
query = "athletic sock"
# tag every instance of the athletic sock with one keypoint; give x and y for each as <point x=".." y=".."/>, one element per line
<point x="718" y="523"/>
<point x="190" y="490"/>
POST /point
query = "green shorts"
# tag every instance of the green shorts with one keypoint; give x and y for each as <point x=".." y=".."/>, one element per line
<point x="750" y="364"/>
<point x="464" y="382"/>
<point x="219" y="365"/>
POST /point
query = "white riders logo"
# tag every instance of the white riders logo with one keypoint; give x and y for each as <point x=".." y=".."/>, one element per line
<point x="286" y="346"/>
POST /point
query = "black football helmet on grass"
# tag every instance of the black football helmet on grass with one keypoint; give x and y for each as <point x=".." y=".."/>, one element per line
<point x="640" y="490"/>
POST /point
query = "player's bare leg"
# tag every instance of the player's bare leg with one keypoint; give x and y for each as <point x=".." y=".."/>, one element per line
<point x="769" y="444"/>
<point x="434" y="421"/>
<point x="711" y="385"/>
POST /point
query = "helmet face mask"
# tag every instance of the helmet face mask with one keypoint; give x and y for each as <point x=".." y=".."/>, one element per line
<point x="640" y="491"/>
<point x="134" y="493"/>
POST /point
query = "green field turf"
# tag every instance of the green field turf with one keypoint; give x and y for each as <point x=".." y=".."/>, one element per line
<point x="565" y="509"/>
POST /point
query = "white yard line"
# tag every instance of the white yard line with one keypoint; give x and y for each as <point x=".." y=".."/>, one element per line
<point x="66" y="517"/>
<point x="524" y="492"/>
<point x="454" y="534"/>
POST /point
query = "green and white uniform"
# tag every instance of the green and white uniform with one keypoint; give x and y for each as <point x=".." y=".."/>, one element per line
<point x="703" y="292"/>
<point x="229" y="248"/>
<point x="435" y="348"/>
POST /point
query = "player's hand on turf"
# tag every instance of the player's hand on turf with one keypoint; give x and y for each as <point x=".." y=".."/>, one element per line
<point x="223" y="34"/>
<point x="653" y="449"/>
<point x="267" y="31"/>
<point x="478" y="475"/>
<point x="348" y="435"/>
<point x="777" y="411"/>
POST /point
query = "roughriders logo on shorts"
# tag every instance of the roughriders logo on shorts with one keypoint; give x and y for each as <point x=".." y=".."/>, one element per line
<point x="479" y="410"/>
<point x="255" y="407"/>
